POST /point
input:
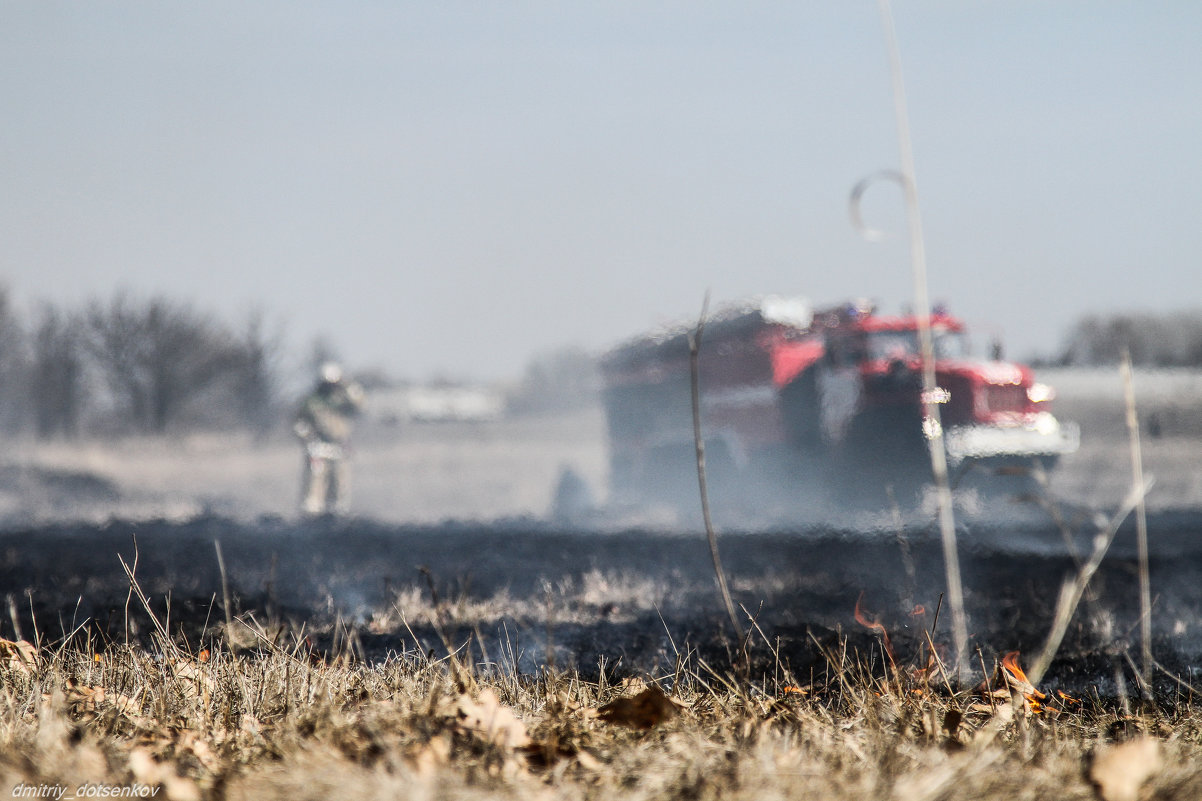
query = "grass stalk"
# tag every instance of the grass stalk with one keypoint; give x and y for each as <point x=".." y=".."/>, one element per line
<point x="225" y="592"/>
<point x="922" y="307"/>
<point x="702" y="484"/>
<point x="1074" y="588"/>
<point x="1141" y="523"/>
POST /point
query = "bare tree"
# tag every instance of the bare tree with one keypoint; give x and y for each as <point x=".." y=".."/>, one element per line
<point x="1172" y="339"/>
<point x="57" y="373"/>
<point x="14" y="395"/>
<point x="158" y="358"/>
<point x="255" y="377"/>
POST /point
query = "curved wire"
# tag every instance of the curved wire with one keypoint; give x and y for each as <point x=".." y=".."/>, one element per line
<point x="857" y="194"/>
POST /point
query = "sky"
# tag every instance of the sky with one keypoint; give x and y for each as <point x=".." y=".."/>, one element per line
<point x="452" y="188"/>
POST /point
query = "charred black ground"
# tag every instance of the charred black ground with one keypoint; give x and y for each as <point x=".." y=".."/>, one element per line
<point x="345" y="579"/>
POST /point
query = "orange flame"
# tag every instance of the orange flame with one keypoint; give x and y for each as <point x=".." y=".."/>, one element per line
<point x="875" y="625"/>
<point x="1018" y="679"/>
<point x="1010" y="663"/>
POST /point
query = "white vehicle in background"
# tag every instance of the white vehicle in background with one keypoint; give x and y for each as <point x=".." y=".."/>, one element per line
<point x="436" y="403"/>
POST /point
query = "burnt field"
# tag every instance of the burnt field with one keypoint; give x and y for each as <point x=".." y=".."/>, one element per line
<point x="516" y="591"/>
<point x="520" y="594"/>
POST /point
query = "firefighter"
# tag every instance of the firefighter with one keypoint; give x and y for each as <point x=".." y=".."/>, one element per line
<point x="323" y="425"/>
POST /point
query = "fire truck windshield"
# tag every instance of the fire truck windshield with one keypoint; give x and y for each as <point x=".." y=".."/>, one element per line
<point x="888" y="345"/>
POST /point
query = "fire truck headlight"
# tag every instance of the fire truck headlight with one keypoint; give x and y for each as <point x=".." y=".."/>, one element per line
<point x="936" y="395"/>
<point x="1040" y="393"/>
<point x="931" y="428"/>
<point x="1046" y="424"/>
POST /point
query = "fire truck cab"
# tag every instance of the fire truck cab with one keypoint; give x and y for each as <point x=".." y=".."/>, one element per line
<point x="797" y="404"/>
<point x="867" y="390"/>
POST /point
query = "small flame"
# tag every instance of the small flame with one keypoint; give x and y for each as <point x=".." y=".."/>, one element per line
<point x="875" y="625"/>
<point x="1018" y="679"/>
<point x="1010" y="663"/>
<point x="1065" y="698"/>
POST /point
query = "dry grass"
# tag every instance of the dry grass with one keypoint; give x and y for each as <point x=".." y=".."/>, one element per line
<point x="276" y="720"/>
<point x="616" y="596"/>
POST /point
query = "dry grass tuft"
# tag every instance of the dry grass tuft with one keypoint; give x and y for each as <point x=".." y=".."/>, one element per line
<point x="272" y="722"/>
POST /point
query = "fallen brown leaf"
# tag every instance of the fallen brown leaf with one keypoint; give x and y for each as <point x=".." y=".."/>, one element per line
<point x="82" y="698"/>
<point x="646" y="710"/>
<point x="488" y="720"/>
<point x="18" y="654"/>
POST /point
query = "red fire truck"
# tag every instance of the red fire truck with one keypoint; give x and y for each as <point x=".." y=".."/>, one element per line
<point x="801" y="406"/>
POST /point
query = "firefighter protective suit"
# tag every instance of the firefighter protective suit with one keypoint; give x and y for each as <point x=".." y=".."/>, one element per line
<point x="323" y="425"/>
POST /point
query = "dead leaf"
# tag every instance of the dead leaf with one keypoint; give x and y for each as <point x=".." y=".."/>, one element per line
<point x="488" y="720"/>
<point x="630" y="685"/>
<point x="563" y="704"/>
<point x="18" y="654"/>
<point x="82" y="698"/>
<point x="644" y="711"/>
<point x="127" y="706"/>
<point x="193" y="679"/>
<point x="1119" y="771"/>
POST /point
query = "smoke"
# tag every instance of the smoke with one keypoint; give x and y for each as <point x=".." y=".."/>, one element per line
<point x="519" y="595"/>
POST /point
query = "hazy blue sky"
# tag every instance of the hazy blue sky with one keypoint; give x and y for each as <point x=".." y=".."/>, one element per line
<point x="449" y="187"/>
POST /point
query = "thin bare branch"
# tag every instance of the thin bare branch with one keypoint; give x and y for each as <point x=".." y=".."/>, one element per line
<point x="699" y="443"/>
<point x="1141" y="525"/>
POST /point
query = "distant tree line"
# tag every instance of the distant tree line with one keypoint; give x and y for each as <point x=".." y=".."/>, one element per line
<point x="127" y="365"/>
<point x="1172" y="339"/>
